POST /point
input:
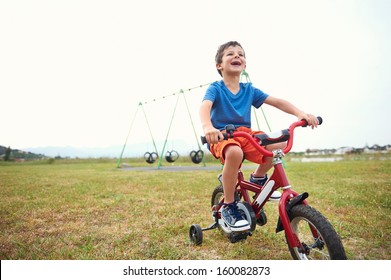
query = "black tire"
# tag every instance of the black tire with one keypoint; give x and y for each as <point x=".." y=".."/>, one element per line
<point x="218" y="194"/>
<point x="197" y="156"/>
<point x="262" y="220"/>
<point x="171" y="156"/>
<point x="150" y="157"/>
<point x="195" y="234"/>
<point x="327" y="246"/>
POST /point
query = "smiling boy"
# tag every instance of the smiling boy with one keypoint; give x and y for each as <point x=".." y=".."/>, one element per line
<point x="229" y="102"/>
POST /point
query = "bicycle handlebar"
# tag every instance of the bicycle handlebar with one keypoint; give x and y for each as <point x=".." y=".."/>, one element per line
<point x="285" y="135"/>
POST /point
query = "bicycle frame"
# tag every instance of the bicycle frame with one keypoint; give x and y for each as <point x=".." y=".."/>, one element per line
<point x="277" y="180"/>
<point x="262" y="193"/>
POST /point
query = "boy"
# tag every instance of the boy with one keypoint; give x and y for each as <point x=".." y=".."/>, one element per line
<point x="229" y="102"/>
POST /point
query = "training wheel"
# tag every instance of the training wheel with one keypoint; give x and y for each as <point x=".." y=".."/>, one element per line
<point x="195" y="234"/>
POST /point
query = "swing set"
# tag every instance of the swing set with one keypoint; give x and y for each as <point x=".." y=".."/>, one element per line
<point x="196" y="156"/>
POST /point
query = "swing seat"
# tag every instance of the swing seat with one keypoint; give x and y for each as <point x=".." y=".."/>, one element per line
<point x="172" y="156"/>
<point x="150" y="157"/>
<point x="197" y="156"/>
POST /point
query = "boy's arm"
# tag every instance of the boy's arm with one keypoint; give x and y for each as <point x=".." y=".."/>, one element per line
<point x="212" y="134"/>
<point x="289" y="108"/>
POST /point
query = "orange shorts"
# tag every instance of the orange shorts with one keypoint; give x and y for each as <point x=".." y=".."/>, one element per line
<point x="250" y="153"/>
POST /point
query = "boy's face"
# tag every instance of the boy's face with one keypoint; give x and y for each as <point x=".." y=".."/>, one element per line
<point x="233" y="61"/>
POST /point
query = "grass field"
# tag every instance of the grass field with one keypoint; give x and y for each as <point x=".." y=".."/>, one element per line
<point x="89" y="209"/>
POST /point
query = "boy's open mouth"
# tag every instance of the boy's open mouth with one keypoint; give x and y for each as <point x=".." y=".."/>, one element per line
<point x="236" y="63"/>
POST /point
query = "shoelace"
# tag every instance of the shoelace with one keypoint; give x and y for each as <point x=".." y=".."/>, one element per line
<point x="234" y="210"/>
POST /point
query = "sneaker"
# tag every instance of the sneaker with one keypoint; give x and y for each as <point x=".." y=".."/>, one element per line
<point x="261" y="181"/>
<point x="233" y="218"/>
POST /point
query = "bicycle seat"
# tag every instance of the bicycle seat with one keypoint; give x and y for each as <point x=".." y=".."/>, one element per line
<point x="273" y="137"/>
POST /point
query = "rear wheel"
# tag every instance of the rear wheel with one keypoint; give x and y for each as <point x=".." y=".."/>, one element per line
<point x="316" y="234"/>
<point x="218" y="194"/>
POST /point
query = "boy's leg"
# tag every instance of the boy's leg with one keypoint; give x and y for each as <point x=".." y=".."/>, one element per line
<point x="260" y="174"/>
<point x="263" y="168"/>
<point x="233" y="156"/>
<point x="230" y="213"/>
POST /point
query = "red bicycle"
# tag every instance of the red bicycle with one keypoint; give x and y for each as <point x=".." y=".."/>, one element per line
<point x="308" y="233"/>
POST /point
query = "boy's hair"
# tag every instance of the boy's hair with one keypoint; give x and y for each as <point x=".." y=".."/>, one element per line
<point x="220" y="52"/>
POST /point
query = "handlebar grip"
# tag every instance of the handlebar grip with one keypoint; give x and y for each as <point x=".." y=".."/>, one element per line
<point x="204" y="141"/>
<point x="320" y="120"/>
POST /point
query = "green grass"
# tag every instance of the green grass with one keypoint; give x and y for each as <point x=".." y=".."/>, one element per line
<point x="88" y="209"/>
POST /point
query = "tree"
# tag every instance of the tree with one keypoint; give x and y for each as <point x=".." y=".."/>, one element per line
<point x="7" y="156"/>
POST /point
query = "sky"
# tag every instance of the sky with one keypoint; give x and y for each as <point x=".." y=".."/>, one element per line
<point x="73" y="73"/>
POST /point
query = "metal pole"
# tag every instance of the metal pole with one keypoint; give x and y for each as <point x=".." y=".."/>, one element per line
<point x="168" y="132"/>
<point x="126" y="141"/>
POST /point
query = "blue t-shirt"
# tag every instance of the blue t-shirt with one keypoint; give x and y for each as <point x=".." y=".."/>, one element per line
<point x="229" y="108"/>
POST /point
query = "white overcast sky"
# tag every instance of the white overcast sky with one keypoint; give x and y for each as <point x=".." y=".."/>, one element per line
<point x="73" y="72"/>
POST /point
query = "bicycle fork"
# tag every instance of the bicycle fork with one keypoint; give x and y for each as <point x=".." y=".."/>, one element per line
<point x="289" y="198"/>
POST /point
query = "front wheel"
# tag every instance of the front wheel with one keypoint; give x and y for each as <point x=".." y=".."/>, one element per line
<point x="316" y="234"/>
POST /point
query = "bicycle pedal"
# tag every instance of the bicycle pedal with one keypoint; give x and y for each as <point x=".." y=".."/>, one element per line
<point x="239" y="236"/>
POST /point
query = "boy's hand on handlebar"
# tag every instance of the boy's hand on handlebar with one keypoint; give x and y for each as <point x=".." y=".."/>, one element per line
<point x="213" y="135"/>
<point x="311" y="119"/>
